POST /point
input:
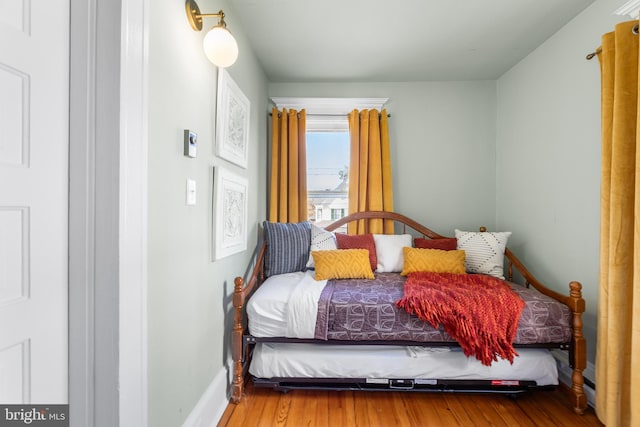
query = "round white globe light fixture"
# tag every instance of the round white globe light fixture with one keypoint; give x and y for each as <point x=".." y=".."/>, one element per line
<point x="220" y="47"/>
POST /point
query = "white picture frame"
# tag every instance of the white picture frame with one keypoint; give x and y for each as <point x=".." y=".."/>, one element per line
<point x="230" y="213"/>
<point x="233" y="111"/>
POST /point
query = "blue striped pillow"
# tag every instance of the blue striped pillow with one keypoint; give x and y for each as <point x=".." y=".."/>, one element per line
<point x="287" y="247"/>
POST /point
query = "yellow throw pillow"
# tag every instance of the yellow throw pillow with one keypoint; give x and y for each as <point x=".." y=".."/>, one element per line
<point x="342" y="264"/>
<point x="433" y="260"/>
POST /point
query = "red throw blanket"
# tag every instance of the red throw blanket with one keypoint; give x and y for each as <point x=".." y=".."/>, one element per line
<point x="480" y="312"/>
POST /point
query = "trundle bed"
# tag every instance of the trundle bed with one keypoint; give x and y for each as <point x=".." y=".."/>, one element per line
<point x="300" y="324"/>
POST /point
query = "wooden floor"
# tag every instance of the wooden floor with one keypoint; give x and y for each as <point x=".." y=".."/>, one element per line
<point x="265" y="407"/>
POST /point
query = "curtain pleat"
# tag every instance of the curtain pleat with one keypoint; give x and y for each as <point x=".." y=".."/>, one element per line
<point x="354" y="166"/>
<point x="618" y="339"/>
<point x="387" y="193"/>
<point x="274" y="182"/>
<point x="288" y="186"/>
<point x="370" y="185"/>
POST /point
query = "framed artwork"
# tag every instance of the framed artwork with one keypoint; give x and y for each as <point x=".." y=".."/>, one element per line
<point x="230" y="213"/>
<point x="232" y="121"/>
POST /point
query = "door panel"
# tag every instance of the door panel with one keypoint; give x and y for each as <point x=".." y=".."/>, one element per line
<point x="34" y="152"/>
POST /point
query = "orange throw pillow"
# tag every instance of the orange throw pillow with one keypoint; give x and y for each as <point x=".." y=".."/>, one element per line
<point x="433" y="260"/>
<point x="359" y="241"/>
<point x="342" y="264"/>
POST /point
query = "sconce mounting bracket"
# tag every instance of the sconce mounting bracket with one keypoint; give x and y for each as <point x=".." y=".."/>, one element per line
<point x="193" y="15"/>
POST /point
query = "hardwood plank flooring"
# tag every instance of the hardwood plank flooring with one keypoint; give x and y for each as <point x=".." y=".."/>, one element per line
<point x="265" y="407"/>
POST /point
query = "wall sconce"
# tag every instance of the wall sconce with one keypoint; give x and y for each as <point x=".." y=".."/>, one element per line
<point x="219" y="45"/>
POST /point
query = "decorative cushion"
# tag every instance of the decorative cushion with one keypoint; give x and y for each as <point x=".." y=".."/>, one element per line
<point x="433" y="261"/>
<point x="321" y="240"/>
<point x="287" y="247"/>
<point x="359" y="241"/>
<point x="446" y="244"/>
<point x="342" y="264"/>
<point x="485" y="251"/>
<point x="389" y="251"/>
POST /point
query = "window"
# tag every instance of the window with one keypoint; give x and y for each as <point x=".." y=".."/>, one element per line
<point x="337" y="213"/>
<point x="328" y="147"/>
<point x="327" y="175"/>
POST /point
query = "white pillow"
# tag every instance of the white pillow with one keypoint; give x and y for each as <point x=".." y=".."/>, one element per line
<point x="389" y="251"/>
<point x="484" y="251"/>
<point x="321" y="240"/>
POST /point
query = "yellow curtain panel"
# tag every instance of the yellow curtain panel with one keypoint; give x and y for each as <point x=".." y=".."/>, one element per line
<point x="618" y="344"/>
<point x="370" y="170"/>
<point x="288" y="184"/>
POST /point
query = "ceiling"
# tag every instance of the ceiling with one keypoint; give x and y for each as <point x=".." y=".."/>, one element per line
<point x="405" y="40"/>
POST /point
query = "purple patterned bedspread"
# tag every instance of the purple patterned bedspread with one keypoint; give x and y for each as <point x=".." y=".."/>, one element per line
<point x="357" y="310"/>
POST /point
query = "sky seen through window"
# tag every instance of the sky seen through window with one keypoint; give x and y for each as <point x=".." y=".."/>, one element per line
<point x="327" y="155"/>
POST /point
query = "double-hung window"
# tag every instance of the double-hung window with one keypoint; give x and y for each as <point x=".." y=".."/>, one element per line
<point x="327" y="168"/>
<point x="328" y="148"/>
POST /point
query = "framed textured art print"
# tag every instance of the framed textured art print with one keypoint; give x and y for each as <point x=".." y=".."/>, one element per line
<point x="230" y="213"/>
<point x="232" y="121"/>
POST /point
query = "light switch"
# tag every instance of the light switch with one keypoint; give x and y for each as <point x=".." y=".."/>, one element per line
<point x="191" y="192"/>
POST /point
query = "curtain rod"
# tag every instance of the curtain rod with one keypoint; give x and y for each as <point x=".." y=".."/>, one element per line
<point x="590" y="56"/>
<point x="327" y="115"/>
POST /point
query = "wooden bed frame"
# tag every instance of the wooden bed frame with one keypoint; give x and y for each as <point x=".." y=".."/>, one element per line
<point x="241" y="341"/>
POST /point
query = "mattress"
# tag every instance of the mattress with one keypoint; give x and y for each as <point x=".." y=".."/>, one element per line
<point x="287" y="305"/>
<point x="272" y="309"/>
<point x="380" y="363"/>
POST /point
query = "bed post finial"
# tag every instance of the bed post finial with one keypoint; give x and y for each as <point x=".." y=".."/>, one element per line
<point x="579" y="344"/>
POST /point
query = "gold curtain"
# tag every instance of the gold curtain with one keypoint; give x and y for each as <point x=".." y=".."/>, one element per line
<point x="288" y="190"/>
<point x="370" y="170"/>
<point x="618" y="345"/>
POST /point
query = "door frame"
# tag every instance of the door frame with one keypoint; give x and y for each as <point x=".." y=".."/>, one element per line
<point x="108" y="213"/>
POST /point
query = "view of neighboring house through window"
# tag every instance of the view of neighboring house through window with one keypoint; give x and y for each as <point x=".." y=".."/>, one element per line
<point x="337" y="213"/>
<point x="327" y="176"/>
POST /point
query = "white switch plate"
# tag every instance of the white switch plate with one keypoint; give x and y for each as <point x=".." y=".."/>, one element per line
<point x="191" y="192"/>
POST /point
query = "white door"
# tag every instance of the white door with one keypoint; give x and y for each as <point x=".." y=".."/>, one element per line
<point x="34" y="145"/>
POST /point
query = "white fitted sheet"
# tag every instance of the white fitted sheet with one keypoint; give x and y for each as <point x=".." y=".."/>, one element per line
<point x="272" y="312"/>
<point x="396" y="362"/>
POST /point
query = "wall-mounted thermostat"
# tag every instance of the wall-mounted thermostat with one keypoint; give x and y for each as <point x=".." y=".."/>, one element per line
<point x="190" y="143"/>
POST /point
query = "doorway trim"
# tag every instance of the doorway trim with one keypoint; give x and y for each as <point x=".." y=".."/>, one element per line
<point x="107" y="214"/>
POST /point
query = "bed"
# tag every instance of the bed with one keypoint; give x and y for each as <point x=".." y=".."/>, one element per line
<point x="336" y="317"/>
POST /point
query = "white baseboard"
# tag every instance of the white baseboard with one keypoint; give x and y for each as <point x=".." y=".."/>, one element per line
<point x="565" y="372"/>
<point x="212" y="404"/>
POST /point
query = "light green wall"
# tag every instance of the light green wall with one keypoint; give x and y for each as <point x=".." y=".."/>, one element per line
<point x="548" y="157"/>
<point x="520" y="154"/>
<point x="188" y="294"/>
<point x="442" y="146"/>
